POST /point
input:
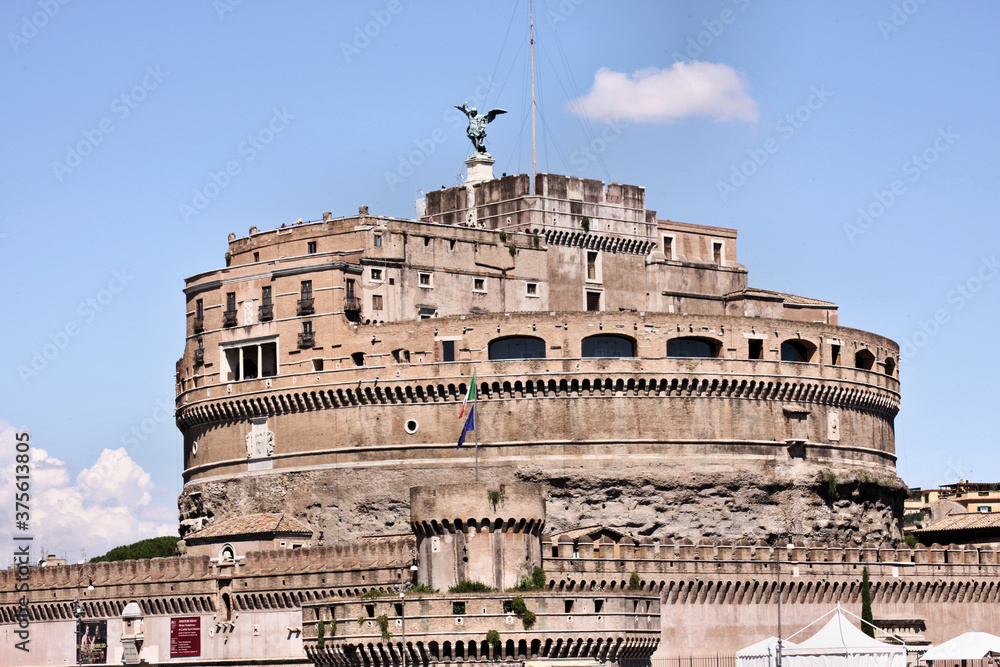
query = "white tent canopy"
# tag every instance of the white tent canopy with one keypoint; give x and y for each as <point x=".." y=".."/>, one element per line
<point x="840" y="643"/>
<point x="762" y="654"/>
<point x="969" y="646"/>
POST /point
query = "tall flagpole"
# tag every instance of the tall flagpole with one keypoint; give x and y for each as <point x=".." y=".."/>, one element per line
<point x="475" y="399"/>
<point x="534" y="160"/>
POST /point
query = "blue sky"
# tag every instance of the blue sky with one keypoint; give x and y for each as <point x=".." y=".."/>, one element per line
<point x="122" y="120"/>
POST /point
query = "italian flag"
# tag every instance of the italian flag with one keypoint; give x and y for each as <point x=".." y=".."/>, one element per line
<point x="470" y="395"/>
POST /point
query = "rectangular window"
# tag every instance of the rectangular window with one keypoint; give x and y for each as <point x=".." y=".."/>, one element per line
<point x="377" y="275"/>
<point x="231" y="301"/>
<point x="598" y="606"/>
<point x="307" y="289"/>
<point x="593" y="301"/>
<point x="256" y="257"/>
<point x="378" y="241"/>
<point x="199" y="307"/>
<point x="532" y="289"/>
<point x="835" y="355"/>
<point x="350" y="288"/>
<point x="568" y="605"/>
<point x="265" y="295"/>
<point x="983" y="509"/>
<point x="756" y="349"/>
<point x="425" y="280"/>
<point x="306" y="303"/>
<point x="229" y="317"/>
<point x="668" y="247"/>
<point x="591" y="266"/>
<point x="307" y="327"/>
<point x="250" y="361"/>
<point x="376" y="301"/>
<point x="311" y="248"/>
<point x="448" y="350"/>
<point x="427" y="241"/>
<point x="479" y="284"/>
<point x="717" y="253"/>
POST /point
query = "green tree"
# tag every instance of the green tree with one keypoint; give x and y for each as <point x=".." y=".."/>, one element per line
<point x="154" y="547"/>
<point x="867" y="619"/>
<point x="320" y="636"/>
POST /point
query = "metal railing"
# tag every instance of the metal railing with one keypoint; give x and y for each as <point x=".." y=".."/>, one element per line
<point x="229" y="318"/>
<point x="265" y="312"/>
<point x="307" y="305"/>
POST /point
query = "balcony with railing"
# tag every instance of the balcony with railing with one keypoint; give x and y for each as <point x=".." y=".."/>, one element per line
<point x="352" y="304"/>
<point x="265" y="312"/>
<point x="229" y="318"/>
<point x="199" y="356"/>
<point x="307" y="339"/>
<point x="307" y="305"/>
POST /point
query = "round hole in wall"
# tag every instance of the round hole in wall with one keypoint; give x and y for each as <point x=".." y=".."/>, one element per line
<point x="411" y="426"/>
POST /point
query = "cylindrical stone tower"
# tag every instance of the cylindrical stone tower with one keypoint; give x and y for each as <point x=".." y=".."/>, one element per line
<point x="479" y="532"/>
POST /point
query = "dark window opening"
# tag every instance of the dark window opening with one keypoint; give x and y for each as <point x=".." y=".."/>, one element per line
<point x="890" y="366"/>
<point x="797" y="350"/>
<point x="358" y="358"/>
<point x="668" y="247"/>
<point x="448" y="350"/>
<point x="306" y="302"/>
<point x="591" y="266"/>
<point x="427" y="241"/>
<point x="568" y="604"/>
<point x="532" y="289"/>
<point x="717" y="253"/>
<point x="835" y="355"/>
<point x="756" y="349"/>
<point x="608" y="345"/>
<point x="457" y="608"/>
<point x="593" y="301"/>
<point x="317" y="364"/>
<point x="451" y="244"/>
<point x="378" y="241"/>
<point x="598" y="605"/>
<point x="864" y="360"/>
<point x="256" y="257"/>
<point x="517" y="347"/>
<point x="693" y="347"/>
<point x="311" y="247"/>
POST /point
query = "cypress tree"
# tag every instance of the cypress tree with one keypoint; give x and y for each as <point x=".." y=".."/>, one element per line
<point x="866" y="605"/>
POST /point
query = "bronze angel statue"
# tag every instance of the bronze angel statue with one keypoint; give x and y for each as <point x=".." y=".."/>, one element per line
<point x="477" y="126"/>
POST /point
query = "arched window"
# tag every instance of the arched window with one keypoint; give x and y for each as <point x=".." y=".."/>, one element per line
<point x="517" y="347"/>
<point x="890" y="366"/>
<point x="227" y="553"/>
<point x="693" y="347"/>
<point x="797" y="350"/>
<point x="608" y="345"/>
<point x="864" y="360"/>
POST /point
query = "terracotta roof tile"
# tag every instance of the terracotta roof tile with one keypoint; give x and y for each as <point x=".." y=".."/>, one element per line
<point x="968" y="521"/>
<point x="254" y="524"/>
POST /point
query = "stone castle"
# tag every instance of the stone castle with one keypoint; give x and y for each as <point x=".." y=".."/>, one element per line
<point x="620" y="359"/>
<point x="662" y="453"/>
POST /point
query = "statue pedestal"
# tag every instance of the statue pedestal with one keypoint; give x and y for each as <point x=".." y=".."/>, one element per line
<point x="480" y="168"/>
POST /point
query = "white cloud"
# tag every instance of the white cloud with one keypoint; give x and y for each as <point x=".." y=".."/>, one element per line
<point x="655" y="95"/>
<point x="109" y="504"/>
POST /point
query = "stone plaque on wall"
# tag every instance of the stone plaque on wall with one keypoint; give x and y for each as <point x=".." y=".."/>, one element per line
<point x="260" y="445"/>
<point x="833" y="426"/>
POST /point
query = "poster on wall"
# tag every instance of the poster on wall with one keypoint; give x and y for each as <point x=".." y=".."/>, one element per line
<point x="92" y="643"/>
<point x="185" y="637"/>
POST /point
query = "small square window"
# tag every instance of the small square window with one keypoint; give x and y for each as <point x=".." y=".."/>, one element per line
<point x="317" y="364"/>
<point x="376" y="301"/>
<point x="532" y="289"/>
<point x="377" y="274"/>
<point x="425" y="280"/>
<point x="378" y="241"/>
<point x="256" y="257"/>
<point x="479" y="284"/>
<point x="312" y="248"/>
